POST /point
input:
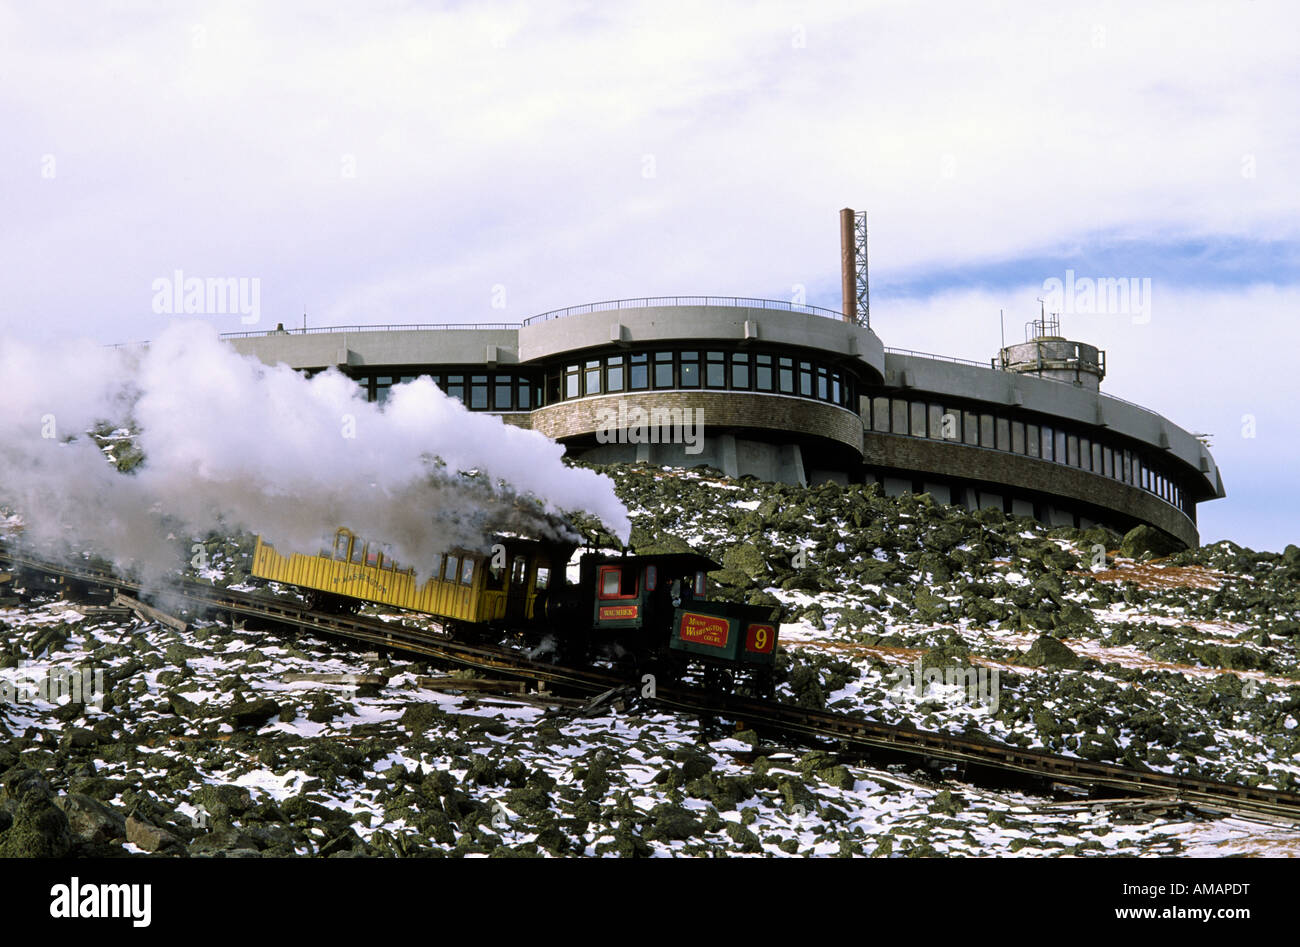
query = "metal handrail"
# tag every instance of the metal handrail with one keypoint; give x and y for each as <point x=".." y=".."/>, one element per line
<point x="644" y="302"/>
<point x="640" y="302"/>
<point x="413" y="327"/>
<point x="944" y="358"/>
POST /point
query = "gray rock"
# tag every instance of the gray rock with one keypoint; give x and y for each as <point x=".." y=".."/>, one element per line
<point x="1144" y="539"/>
<point x="151" y="838"/>
<point x="90" y="820"/>
<point x="1047" y="651"/>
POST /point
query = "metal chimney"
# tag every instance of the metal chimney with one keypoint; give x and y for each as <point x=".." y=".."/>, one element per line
<point x="848" y="263"/>
<point x="855" y="285"/>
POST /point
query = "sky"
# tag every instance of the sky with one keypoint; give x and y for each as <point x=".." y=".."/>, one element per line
<point x="396" y="163"/>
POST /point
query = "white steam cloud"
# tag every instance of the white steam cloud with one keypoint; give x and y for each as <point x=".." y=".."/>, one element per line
<point x="231" y="444"/>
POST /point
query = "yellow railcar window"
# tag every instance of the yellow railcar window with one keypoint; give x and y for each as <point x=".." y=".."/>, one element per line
<point x="543" y="577"/>
<point x="518" y="572"/>
<point x="372" y="556"/>
<point x="450" y="568"/>
<point x="467" y="571"/>
<point x="342" y="540"/>
<point x="357" y="551"/>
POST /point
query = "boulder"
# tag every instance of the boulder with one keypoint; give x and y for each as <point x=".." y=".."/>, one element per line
<point x="670" y="822"/>
<point x="251" y="713"/>
<point x="1047" y="651"/>
<point x="1144" y="539"/>
<point x="149" y="837"/>
<point x="39" y="829"/>
<point x="90" y="820"/>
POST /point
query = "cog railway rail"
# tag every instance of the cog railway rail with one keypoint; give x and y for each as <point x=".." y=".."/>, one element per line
<point x="803" y="723"/>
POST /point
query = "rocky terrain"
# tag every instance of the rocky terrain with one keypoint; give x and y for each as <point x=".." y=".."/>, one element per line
<point x="1105" y="647"/>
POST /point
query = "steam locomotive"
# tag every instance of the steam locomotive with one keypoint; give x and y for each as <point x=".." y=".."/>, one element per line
<point x="649" y="608"/>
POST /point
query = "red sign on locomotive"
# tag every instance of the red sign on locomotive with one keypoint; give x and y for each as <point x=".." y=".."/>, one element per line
<point x="610" y="612"/>
<point x="704" y="629"/>
<point x="760" y="639"/>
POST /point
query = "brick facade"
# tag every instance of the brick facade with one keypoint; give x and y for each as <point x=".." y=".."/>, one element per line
<point x="722" y="409"/>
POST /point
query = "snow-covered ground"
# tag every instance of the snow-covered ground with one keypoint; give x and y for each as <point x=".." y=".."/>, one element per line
<point x="208" y="748"/>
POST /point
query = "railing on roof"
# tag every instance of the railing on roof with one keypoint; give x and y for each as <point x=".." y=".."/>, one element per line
<point x="943" y="358"/>
<point x="414" y="327"/>
<point x="645" y="302"/>
<point x="641" y="302"/>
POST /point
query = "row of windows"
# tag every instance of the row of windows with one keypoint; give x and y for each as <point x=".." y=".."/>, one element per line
<point x="495" y="391"/>
<point x="981" y="429"/>
<point x="639" y="371"/>
<point x="767" y="372"/>
<point x="692" y="368"/>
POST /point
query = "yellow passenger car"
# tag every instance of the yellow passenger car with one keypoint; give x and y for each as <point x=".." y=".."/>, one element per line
<point x="507" y="586"/>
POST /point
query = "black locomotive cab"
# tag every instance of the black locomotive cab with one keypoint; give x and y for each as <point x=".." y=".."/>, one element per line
<point x="639" y="593"/>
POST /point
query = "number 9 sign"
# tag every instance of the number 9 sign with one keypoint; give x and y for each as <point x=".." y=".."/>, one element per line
<point x="760" y="639"/>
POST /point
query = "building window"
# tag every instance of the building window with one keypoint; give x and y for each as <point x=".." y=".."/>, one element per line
<point x="934" y="417"/>
<point x="614" y="373"/>
<point x="478" y="392"/>
<point x="1060" y="447"/>
<point x="898" y="421"/>
<point x="663" y="369"/>
<point x="763" y="372"/>
<point x="880" y="415"/>
<point x="1018" y="437"/>
<point x="986" y="430"/>
<point x="1072" y="450"/>
<point x="786" y="375"/>
<point x="690" y="369"/>
<point x="524" y="391"/>
<point x="740" y="371"/>
<point x="838" y="393"/>
<point x="638" y="372"/>
<point x="501" y="393"/>
<point x="1096" y="457"/>
<point x="572" y="377"/>
<point x="1049" y="452"/>
<point x="918" y="418"/>
<point x="823" y="389"/>
<point x="456" y="387"/>
<point x="591" y="377"/>
<point x="971" y="428"/>
<point x="805" y="379"/>
<point x="715" y="370"/>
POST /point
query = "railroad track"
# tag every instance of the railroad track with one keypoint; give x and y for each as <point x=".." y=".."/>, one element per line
<point x="798" y="722"/>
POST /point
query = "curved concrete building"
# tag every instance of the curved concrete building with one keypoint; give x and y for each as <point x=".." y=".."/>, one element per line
<point x="797" y="394"/>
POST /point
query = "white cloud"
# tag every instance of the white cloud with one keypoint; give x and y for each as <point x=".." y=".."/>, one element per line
<point x="507" y="143"/>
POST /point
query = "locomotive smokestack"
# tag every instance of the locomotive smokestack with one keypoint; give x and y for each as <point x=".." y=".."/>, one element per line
<point x="848" y="266"/>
